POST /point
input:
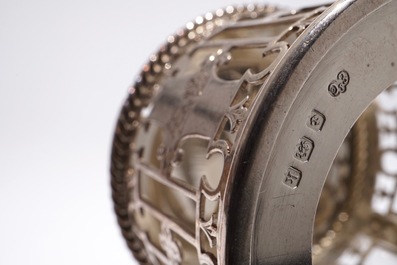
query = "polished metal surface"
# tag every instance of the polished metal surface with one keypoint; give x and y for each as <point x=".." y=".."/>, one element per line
<point x="226" y="139"/>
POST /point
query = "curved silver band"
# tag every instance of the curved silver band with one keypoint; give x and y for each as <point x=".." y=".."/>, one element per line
<point x="353" y="36"/>
<point x="261" y="100"/>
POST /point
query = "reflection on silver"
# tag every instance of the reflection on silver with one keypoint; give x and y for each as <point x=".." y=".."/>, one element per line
<point x="356" y="221"/>
<point x="223" y="144"/>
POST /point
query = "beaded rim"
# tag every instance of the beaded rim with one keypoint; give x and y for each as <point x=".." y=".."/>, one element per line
<point x="141" y="93"/>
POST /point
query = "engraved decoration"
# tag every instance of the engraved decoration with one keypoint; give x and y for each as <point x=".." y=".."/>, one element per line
<point x="170" y="246"/>
<point x="339" y="85"/>
<point x="179" y="130"/>
<point x="210" y="230"/>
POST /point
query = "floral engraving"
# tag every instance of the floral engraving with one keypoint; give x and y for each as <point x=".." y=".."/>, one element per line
<point x="205" y="259"/>
<point x="210" y="230"/>
<point x="237" y="113"/>
<point x="194" y="93"/>
<point x="170" y="246"/>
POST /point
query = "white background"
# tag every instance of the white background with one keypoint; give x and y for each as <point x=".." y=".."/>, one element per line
<point x="64" y="71"/>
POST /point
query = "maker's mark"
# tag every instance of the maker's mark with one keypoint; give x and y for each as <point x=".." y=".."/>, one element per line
<point x="338" y="86"/>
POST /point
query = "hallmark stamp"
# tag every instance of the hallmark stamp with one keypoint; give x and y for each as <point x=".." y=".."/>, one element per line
<point x="338" y="86"/>
<point x="304" y="149"/>
<point x="316" y="121"/>
<point x="292" y="177"/>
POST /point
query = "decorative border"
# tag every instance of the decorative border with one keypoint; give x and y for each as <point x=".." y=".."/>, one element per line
<point x="140" y="95"/>
<point x="146" y="87"/>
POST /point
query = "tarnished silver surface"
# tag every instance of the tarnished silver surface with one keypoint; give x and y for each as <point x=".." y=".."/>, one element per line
<point x="226" y="139"/>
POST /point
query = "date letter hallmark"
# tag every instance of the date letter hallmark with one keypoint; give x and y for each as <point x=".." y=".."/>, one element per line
<point x="338" y="86"/>
<point x="316" y="121"/>
<point x="292" y="177"/>
<point x="304" y="149"/>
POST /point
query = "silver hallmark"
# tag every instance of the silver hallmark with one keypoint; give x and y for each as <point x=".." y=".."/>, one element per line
<point x="304" y="149"/>
<point x="338" y="86"/>
<point x="292" y="177"/>
<point x="316" y="121"/>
